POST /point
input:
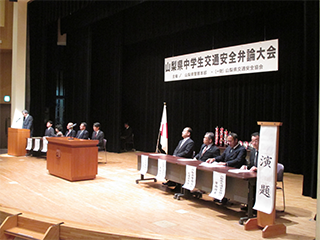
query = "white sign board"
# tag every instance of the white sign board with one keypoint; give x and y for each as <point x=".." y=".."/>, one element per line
<point x="242" y="59"/>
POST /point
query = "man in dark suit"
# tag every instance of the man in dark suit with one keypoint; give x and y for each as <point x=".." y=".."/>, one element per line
<point x="234" y="155"/>
<point x="49" y="131"/>
<point x="184" y="149"/>
<point x="27" y="122"/>
<point x="186" y="145"/>
<point x="98" y="135"/>
<point x="208" y="150"/>
<point x="70" y="132"/>
<point x="126" y="136"/>
<point x="83" y="133"/>
<point x="254" y="152"/>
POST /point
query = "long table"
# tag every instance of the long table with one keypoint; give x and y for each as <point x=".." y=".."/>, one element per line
<point x="239" y="186"/>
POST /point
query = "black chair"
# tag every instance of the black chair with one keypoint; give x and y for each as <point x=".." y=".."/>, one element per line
<point x="129" y="143"/>
<point x="104" y="160"/>
<point x="280" y="170"/>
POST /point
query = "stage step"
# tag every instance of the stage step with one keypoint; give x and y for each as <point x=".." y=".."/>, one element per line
<point x="26" y="228"/>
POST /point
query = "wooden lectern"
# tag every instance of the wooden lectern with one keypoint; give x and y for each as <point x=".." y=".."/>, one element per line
<point x="265" y="221"/>
<point x="17" y="141"/>
<point x="72" y="159"/>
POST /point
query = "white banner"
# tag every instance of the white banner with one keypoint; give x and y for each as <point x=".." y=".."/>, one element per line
<point x="162" y="168"/>
<point x="29" y="144"/>
<point x="144" y="164"/>
<point x="218" y="185"/>
<point x="36" y="144"/>
<point x="266" y="174"/>
<point x="242" y="59"/>
<point x="45" y="145"/>
<point x="190" y="181"/>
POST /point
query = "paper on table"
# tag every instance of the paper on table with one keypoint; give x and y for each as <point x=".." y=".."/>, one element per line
<point x="187" y="159"/>
<point x="214" y="164"/>
<point x="157" y="154"/>
<point x="238" y="170"/>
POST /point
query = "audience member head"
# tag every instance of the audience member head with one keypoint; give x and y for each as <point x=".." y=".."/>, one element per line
<point x="232" y="139"/>
<point x="70" y="126"/>
<point x="83" y="126"/>
<point x="255" y="140"/>
<point x="186" y="132"/>
<point x="58" y="128"/>
<point x="49" y="124"/>
<point x="208" y="138"/>
<point x="25" y="113"/>
<point x="96" y="126"/>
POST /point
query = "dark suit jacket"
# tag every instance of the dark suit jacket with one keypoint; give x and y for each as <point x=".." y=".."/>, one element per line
<point x="71" y="134"/>
<point x="100" y="137"/>
<point x="186" y="150"/>
<point x="233" y="157"/>
<point x="28" y="124"/>
<point x="82" y="134"/>
<point x="253" y="161"/>
<point x="49" y="132"/>
<point x="212" y="152"/>
<point x="127" y="134"/>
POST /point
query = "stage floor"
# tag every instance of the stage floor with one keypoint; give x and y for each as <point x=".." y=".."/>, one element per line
<point x="114" y="200"/>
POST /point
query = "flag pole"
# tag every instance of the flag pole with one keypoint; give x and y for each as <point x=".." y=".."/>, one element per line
<point x="157" y="147"/>
<point x="159" y="134"/>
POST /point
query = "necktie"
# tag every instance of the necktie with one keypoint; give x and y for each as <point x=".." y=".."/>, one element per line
<point x="255" y="158"/>
<point x="204" y="150"/>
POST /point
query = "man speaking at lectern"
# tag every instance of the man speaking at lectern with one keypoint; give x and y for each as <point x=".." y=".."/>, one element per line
<point x="27" y="122"/>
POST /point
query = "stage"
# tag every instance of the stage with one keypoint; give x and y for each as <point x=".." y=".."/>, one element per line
<point x="114" y="203"/>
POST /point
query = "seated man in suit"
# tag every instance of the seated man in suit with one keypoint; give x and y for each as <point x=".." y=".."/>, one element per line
<point x="254" y="152"/>
<point x="186" y="145"/>
<point x="70" y="132"/>
<point x="98" y="135"/>
<point x="126" y="136"/>
<point x="208" y="150"/>
<point x="83" y="132"/>
<point x="49" y="131"/>
<point x="234" y="155"/>
<point x="184" y="149"/>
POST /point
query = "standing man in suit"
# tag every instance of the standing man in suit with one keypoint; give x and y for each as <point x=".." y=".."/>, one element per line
<point x="186" y="145"/>
<point x="234" y="155"/>
<point x="254" y="153"/>
<point x="27" y="122"/>
<point x="70" y="132"/>
<point x="208" y="150"/>
<point x="252" y="165"/>
<point x="98" y="135"/>
<point x="83" y="133"/>
<point x="49" y="131"/>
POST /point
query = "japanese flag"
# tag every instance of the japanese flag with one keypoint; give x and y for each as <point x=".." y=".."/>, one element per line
<point x="164" y="130"/>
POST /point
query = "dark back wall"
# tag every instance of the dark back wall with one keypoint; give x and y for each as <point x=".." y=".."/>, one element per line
<point x="114" y="72"/>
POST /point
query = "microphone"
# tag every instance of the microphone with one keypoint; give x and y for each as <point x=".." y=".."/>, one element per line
<point x="74" y="125"/>
<point x="18" y="119"/>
